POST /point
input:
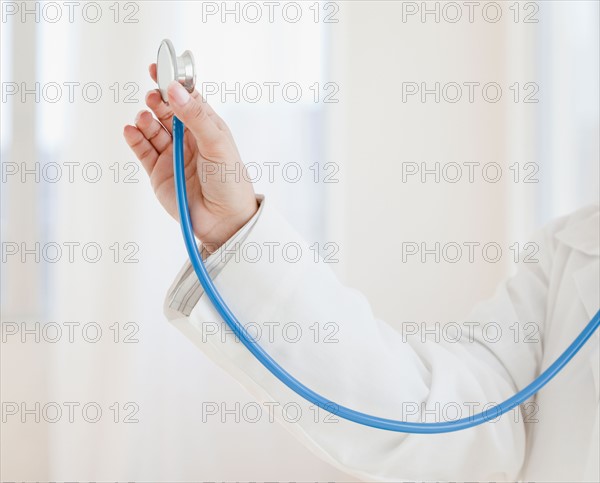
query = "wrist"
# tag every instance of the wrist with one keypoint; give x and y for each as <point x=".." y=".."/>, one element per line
<point x="227" y="229"/>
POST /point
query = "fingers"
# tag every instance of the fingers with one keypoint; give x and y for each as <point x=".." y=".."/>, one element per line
<point x="161" y="110"/>
<point x="141" y="147"/>
<point x="164" y="113"/>
<point x="194" y="113"/>
<point x="153" y="131"/>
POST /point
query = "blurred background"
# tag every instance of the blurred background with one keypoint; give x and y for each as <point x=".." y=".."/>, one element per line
<point x="364" y="113"/>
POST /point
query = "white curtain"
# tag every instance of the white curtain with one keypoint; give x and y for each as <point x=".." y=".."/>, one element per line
<point x="161" y="380"/>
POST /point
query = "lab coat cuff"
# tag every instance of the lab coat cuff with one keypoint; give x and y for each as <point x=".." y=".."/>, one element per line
<point x="185" y="291"/>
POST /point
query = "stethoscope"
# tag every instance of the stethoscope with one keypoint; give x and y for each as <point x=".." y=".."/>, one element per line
<point x="169" y="68"/>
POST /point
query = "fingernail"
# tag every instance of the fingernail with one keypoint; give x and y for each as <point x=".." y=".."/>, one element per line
<point x="178" y="93"/>
<point x="139" y="114"/>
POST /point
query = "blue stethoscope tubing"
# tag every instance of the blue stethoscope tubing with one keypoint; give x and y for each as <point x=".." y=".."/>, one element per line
<point x="290" y="381"/>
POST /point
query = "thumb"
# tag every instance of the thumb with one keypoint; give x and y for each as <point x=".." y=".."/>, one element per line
<point x="194" y="114"/>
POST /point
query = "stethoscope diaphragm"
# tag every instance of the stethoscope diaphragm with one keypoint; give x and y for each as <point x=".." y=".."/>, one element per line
<point x="169" y="67"/>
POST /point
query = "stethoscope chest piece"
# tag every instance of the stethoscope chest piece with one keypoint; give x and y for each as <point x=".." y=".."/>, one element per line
<point x="169" y="67"/>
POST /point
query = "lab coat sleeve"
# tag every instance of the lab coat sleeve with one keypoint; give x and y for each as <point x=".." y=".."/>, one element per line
<point x="325" y="334"/>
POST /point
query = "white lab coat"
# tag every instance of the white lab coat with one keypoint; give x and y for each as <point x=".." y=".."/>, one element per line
<point x="375" y="369"/>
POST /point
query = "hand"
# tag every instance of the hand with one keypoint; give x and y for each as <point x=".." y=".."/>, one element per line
<point x="220" y="201"/>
